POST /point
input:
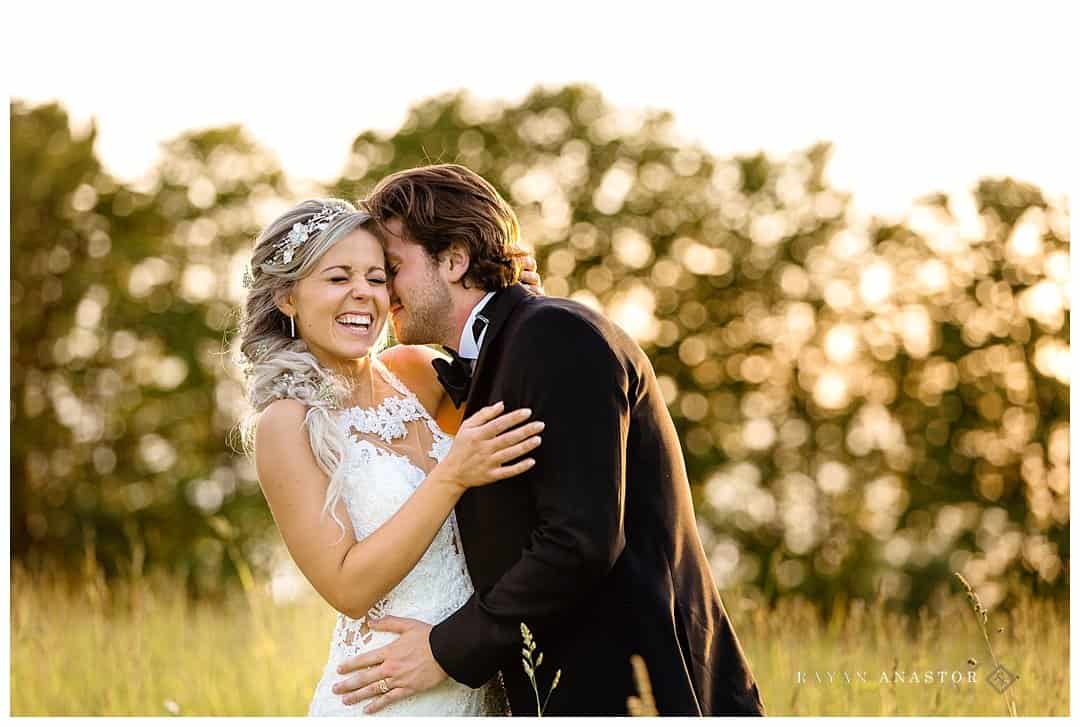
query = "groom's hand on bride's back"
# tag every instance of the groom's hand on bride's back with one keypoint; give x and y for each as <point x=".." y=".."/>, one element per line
<point x="397" y="670"/>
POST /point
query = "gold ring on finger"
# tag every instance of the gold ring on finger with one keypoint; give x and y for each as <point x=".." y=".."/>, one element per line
<point x="384" y="686"/>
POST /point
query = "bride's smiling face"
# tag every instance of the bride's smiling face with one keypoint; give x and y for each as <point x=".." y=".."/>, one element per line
<point x="340" y="308"/>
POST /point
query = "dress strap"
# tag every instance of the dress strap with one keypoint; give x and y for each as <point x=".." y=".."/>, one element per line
<point x="404" y="390"/>
<point x="391" y="379"/>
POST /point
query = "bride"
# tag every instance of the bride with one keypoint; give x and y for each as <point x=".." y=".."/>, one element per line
<point x="352" y="447"/>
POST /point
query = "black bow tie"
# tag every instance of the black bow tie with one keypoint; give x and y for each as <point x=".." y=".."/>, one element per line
<point x="454" y="376"/>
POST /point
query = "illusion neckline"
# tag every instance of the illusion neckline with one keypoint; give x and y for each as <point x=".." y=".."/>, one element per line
<point x="406" y="395"/>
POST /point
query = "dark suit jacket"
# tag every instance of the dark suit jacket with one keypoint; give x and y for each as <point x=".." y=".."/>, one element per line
<point x="596" y="547"/>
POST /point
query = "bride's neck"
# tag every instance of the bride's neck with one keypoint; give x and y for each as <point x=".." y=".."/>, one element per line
<point x="352" y="371"/>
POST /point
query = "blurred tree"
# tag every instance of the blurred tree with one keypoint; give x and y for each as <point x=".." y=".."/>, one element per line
<point x="121" y="394"/>
<point x="48" y="165"/>
<point x="858" y="400"/>
<point x="865" y="404"/>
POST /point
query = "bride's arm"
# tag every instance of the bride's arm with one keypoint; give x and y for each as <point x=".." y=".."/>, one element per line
<point x="530" y="276"/>
<point x="353" y="575"/>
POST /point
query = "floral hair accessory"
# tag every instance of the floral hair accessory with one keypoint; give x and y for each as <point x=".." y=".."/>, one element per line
<point x="247" y="363"/>
<point x="321" y="391"/>
<point x="302" y="231"/>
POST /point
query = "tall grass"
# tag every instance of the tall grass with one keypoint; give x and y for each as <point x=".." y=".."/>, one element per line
<point x="1031" y="639"/>
<point x="143" y="648"/>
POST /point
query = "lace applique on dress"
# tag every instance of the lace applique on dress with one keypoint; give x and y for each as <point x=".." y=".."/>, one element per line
<point x="352" y="635"/>
<point x="442" y="441"/>
<point x="387" y="422"/>
<point x="388" y="454"/>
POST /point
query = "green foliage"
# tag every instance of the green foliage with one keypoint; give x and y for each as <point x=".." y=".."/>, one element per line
<point x="866" y="406"/>
<point x="122" y="397"/>
<point x="938" y="441"/>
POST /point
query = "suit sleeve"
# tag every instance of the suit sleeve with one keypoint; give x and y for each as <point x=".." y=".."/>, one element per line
<point x="576" y="385"/>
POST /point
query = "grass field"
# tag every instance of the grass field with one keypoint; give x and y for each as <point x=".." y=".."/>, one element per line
<point x="144" y="649"/>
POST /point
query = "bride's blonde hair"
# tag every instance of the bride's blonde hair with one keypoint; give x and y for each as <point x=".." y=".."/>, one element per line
<point x="277" y="366"/>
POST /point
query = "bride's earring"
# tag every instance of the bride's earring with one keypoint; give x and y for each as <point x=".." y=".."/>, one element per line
<point x="292" y="327"/>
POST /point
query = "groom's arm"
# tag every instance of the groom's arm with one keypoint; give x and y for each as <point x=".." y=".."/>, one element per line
<point x="574" y="383"/>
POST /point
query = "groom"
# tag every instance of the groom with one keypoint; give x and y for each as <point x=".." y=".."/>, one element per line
<point x="596" y="547"/>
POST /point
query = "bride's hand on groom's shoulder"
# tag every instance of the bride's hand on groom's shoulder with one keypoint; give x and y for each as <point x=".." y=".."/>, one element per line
<point x="484" y="445"/>
<point x="530" y="276"/>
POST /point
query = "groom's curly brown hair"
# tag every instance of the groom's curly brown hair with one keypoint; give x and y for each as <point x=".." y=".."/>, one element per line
<point x="441" y="204"/>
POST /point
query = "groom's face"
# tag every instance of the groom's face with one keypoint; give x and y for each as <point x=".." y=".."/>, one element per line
<point x="420" y="303"/>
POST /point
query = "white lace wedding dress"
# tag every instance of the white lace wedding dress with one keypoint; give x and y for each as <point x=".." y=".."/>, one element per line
<point x="390" y="448"/>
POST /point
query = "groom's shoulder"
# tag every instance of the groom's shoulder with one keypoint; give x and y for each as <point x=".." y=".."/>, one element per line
<point x="567" y="321"/>
<point x="559" y="312"/>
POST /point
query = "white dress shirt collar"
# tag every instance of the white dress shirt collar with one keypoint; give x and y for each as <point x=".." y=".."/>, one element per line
<point x="469" y="347"/>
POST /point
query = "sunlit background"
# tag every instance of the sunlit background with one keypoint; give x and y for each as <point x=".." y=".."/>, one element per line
<point x="840" y="233"/>
<point x="923" y="96"/>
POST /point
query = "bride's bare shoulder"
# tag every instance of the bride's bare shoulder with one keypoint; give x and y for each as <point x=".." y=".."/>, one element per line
<point x="413" y="361"/>
<point x="412" y="364"/>
<point x="279" y="433"/>
<point x="282" y="412"/>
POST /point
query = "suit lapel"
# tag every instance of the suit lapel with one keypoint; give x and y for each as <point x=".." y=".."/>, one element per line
<point x="497" y="311"/>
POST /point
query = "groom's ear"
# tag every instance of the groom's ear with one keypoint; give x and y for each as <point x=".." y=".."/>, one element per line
<point x="455" y="260"/>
